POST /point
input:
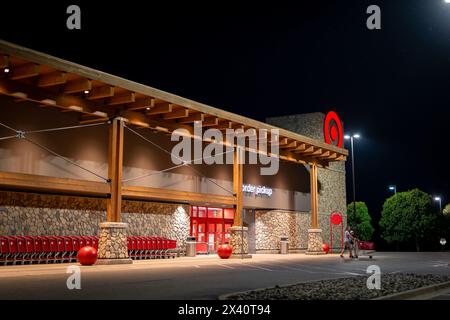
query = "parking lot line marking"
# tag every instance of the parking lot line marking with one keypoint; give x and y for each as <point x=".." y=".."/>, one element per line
<point x="225" y="266"/>
<point x="257" y="267"/>
<point x="440" y="265"/>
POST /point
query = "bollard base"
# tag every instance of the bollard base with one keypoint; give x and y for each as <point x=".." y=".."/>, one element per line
<point x="315" y="242"/>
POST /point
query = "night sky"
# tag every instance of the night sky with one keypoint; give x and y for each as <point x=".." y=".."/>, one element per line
<point x="391" y="85"/>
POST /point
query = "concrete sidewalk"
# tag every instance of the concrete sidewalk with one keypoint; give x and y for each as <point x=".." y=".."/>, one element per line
<point x="202" y="277"/>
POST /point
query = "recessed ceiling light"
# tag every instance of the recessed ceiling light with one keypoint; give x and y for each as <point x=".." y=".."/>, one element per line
<point x="148" y="108"/>
<point x="6" y="70"/>
<point x="86" y="91"/>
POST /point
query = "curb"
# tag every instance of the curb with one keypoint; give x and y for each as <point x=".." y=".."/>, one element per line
<point x="415" y="293"/>
<point x="226" y="295"/>
<point x="404" y="295"/>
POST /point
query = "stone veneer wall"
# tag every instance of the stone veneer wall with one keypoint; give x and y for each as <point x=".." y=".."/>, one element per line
<point x="332" y="192"/>
<point x="40" y="214"/>
<point x="270" y="225"/>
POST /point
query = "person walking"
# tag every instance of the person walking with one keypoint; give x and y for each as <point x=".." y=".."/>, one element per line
<point x="348" y="243"/>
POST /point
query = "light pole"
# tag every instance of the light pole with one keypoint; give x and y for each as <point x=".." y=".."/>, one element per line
<point x="438" y="199"/>
<point x="351" y="137"/>
<point x="393" y="188"/>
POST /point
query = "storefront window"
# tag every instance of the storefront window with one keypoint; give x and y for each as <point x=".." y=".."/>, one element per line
<point x="215" y="213"/>
<point x="201" y="212"/>
<point x="210" y="226"/>
<point x="229" y="213"/>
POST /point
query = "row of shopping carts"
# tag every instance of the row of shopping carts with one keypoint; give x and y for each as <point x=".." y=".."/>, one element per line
<point x="59" y="249"/>
<point x="151" y="247"/>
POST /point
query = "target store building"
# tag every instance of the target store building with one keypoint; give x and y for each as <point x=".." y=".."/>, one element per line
<point x="83" y="152"/>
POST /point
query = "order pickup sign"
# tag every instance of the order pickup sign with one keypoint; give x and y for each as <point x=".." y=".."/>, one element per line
<point x="257" y="190"/>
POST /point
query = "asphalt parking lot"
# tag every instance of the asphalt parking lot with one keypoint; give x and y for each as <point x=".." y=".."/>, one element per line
<point x="204" y="277"/>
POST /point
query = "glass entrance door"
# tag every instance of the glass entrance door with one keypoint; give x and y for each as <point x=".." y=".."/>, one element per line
<point x="211" y="227"/>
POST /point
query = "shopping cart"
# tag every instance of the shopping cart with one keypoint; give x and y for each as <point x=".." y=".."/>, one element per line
<point x="365" y="248"/>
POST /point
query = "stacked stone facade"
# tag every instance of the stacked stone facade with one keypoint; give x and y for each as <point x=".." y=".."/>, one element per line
<point x="332" y="194"/>
<point x="113" y="241"/>
<point x="239" y="240"/>
<point x="271" y="225"/>
<point x="40" y="214"/>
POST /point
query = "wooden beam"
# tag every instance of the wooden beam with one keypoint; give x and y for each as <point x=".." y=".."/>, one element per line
<point x="125" y="98"/>
<point x="290" y="145"/>
<point x="317" y="152"/>
<point x="281" y="141"/>
<point x="115" y="166"/>
<point x="314" y="196"/>
<point x="62" y="101"/>
<point x="160" y="109"/>
<point x="141" y="104"/>
<point x="79" y="85"/>
<point x="210" y="122"/>
<point x="177" y="114"/>
<point x="301" y="147"/>
<point x="298" y="147"/>
<point x="93" y="120"/>
<point x="25" y="71"/>
<point x="31" y="182"/>
<point x="20" y="96"/>
<point x="237" y="126"/>
<point x="332" y="156"/>
<point x="238" y="174"/>
<point x="4" y="61"/>
<point x="300" y="158"/>
<point x="141" y="120"/>
<point x="309" y="150"/>
<point x="192" y="118"/>
<point x="146" y="193"/>
<point x="66" y="186"/>
<point x="101" y="93"/>
<point x="51" y="79"/>
<point x="136" y="119"/>
<point x="326" y="154"/>
<point x="225" y="125"/>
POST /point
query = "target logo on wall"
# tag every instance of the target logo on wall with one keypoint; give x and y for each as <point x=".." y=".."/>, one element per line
<point x="332" y="129"/>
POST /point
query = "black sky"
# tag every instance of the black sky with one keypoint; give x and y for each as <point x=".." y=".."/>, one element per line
<point x="391" y="85"/>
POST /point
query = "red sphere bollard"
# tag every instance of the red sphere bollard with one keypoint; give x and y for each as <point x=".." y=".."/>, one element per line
<point x="87" y="256"/>
<point x="224" y="251"/>
<point x="325" y="247"/>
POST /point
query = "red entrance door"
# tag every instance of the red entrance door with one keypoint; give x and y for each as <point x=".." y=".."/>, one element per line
<point x="210" y="226"/>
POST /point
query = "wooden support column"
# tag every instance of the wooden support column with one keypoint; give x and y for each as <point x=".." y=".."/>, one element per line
<point x="115" y="165"/>
<point x="314" y="196"/>
<point x="238" y="175"/>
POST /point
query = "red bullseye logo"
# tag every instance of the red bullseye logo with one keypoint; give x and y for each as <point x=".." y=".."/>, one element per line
<point x="332" y="129"/>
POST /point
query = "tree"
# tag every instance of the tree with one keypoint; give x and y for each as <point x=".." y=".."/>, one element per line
<point x="446" y="210"/>
<point x="361" y="221"/>
<point x="409" y="217"/>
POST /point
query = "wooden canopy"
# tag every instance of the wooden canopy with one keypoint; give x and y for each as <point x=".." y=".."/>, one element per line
<point x="97" y="96"/>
